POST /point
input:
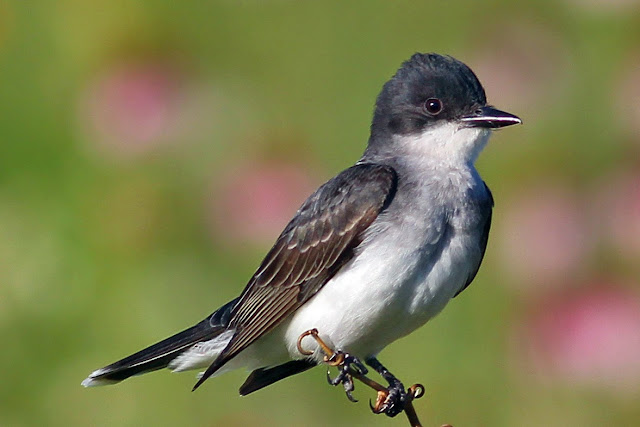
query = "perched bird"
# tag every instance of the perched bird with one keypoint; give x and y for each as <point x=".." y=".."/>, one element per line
<point x="369" y="257"/>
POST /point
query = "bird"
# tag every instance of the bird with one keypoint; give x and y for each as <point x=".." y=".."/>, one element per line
<point x="373" y="254"/>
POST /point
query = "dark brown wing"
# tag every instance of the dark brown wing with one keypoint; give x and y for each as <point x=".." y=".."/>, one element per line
<point x="483" y="242"/>
<point x="318" y="241"/>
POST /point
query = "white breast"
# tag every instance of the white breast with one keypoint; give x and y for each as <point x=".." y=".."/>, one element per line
<point x="415" y="258"/>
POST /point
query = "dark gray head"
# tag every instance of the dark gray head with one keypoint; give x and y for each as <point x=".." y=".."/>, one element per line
<point x="429" y="90"/>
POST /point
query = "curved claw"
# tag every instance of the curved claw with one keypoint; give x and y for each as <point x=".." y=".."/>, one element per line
<point x="346" y="380"/>
<point x="350" y="396"/>
<point x="392" y="401"/>
<point x="380" y="405"/>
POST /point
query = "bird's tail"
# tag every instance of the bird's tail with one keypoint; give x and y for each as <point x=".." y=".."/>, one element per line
<point x="167" y="352"/>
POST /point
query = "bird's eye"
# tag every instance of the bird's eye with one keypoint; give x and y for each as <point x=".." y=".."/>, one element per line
<point x="433" y="106"/>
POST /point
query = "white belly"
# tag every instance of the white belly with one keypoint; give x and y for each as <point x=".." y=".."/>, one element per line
<point x="396" y="285"/>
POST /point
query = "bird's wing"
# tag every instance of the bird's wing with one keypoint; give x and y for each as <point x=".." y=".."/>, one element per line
<point x="319" y="240"/>
<point x="483" y="242"/>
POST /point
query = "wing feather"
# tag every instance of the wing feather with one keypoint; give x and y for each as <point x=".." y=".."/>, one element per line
<point x="319" y="240"/>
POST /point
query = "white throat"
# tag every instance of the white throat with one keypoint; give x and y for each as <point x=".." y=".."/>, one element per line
<point x="449" y="143"/>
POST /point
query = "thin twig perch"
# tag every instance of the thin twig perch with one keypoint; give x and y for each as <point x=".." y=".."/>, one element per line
<point x="416" y="391"/>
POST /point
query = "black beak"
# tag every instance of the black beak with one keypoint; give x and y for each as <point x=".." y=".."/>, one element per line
<point x="489" y="117"/>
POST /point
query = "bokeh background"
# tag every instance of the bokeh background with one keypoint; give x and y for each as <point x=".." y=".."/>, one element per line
<point x="151" y="151"/>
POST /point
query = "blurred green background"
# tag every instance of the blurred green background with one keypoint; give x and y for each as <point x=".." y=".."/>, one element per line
<point x="151" y="151"/>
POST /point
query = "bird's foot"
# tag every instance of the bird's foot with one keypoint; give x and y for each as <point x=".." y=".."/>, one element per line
<point x="348" y="366"/>
<point x="390" y="400"/>
<point x="394" y="399"/>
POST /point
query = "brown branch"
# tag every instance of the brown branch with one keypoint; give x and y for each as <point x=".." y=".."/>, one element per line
<point x="416" y="391"/>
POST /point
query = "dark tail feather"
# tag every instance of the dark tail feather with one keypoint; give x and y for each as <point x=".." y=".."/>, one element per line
<point x="161" y="354"/>
<point x="263" y="377"/>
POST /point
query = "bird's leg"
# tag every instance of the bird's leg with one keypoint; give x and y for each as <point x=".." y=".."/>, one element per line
<point x="385" y="400"/>
<point x="347" y="364"/>
<point x="396" y="398"/>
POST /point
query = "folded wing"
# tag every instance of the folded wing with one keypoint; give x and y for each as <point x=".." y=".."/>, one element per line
<point x="319" y="240"/>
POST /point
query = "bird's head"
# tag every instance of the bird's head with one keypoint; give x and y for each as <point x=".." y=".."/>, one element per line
<point x="438" y="101"/>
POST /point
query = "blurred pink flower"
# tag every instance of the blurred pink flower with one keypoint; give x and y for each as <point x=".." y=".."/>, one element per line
<point x="522" y="66"/>
<point x="589" y="336"/>
<point x="543" y="237"/>
<point x="133" y="108"/>
<point x="617" y="212"/>
<point x="255" y="201"/>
